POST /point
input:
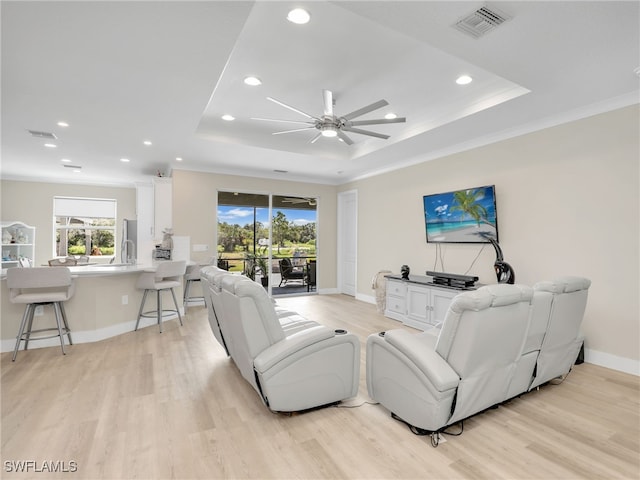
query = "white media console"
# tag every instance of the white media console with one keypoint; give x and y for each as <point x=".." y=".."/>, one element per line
<point x="417" y="301"/>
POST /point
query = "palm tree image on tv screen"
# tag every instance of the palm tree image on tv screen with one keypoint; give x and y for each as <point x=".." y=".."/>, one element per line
<point x="462" y="216"/>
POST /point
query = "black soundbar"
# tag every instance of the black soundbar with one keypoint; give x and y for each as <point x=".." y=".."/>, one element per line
<point x="452" y="279"/>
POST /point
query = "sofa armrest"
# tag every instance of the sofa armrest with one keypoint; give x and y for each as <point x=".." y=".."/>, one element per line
<point x="419" y="348"/>
<point x="289" y="345"/>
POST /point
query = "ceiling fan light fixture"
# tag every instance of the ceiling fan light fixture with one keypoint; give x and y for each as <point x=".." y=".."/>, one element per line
<point x="390" y="116"/>
<point x="328" y="131"/>
<point x="299" y="16"/>
<point x="228" y="118"/>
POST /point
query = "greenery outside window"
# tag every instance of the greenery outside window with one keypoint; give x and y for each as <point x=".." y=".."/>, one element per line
<point x="84" y="226"/>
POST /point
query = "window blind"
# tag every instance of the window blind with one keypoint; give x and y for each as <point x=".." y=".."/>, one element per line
<point x="84" y="207"/>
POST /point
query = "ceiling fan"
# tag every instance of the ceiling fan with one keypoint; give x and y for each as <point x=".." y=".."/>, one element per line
<point x="298" y="200"/>
<point x="331" y="125"/>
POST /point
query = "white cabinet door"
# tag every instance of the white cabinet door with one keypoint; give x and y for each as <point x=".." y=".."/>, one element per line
<point x="440" y="301"/>
<point x="162" y="201"/>
<point x="145" y="217"/>
<point x="418" y="298"/>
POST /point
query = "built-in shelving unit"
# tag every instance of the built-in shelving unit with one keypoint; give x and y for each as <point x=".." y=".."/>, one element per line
<point x="18" y="243"/>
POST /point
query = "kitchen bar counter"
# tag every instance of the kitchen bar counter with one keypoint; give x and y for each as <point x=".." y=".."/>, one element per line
<point x="105" y="304"/>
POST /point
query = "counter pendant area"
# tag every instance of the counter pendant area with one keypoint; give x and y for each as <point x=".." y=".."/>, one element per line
<point x="421" y="301"/>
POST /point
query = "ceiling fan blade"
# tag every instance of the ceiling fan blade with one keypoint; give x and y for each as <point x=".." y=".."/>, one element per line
<point x="285" y="121"/>
<point x="327" y="97"/>
<point x="367" y="109"/>
<point x="315" y="139"/>
<point x="293" y="109"/>
<point x="295" y="130"/>
<point x="344" y="137"/>
<point x="379" y="121"/>
<point x="364" y="132"/>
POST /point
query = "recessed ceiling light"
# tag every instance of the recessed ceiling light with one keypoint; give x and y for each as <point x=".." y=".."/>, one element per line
<point x="299" y="16"/>
<point x="76" y="170"/>
<point x="228" y="117"/>
<point x="464" y="80"/>
<point x="50" y="145"/>
<point x="65" y="160"/>
<point x="63" y="124"/>
<point x="178" y="159"/>
<point x="147" y="142"/>
<point x="253" y="81"/>
<point x="124" y="160"/>
<point x="390" y="116"/>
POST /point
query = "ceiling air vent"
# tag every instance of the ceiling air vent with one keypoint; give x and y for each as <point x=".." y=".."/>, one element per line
<point x="481" y="22"/>
<point x="47" y="135"/>
<point x="75" y="167"/>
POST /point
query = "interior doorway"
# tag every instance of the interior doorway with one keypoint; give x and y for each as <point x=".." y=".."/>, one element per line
<point x="269" y="238"/>
<point x="347" y="241"/>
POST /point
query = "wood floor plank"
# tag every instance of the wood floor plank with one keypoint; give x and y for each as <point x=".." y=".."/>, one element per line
<point x="153" y="406"/>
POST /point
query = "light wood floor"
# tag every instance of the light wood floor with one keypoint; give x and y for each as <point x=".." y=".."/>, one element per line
<point x="171" y="405"/>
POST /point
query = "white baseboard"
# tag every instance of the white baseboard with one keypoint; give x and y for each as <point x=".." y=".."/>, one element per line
<point x="366" y="298"/>
<point x="614" y="362"/>
<point x="328" y="291"/>
<point x="88" y="336"/>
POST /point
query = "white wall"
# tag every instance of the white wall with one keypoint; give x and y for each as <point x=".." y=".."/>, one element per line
<point x="195" y="201"/>
<point x="32" y="203"/>
<point x="567" y="204"/>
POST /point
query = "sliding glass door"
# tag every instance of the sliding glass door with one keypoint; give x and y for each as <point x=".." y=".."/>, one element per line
<point x="270" y="239"/>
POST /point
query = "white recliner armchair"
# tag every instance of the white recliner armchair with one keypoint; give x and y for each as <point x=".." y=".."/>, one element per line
<point x="432" y="380"/>
<point x="293" y="363"/>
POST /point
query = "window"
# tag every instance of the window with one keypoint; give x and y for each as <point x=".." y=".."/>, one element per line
<point x="257" y="231"/>
<point x="84" y="226"/>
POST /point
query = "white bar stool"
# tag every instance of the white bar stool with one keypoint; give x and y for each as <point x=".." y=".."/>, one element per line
<point x="40" y="286"/>
<point x="167" y="276"/>
<point x="192" y="275"/>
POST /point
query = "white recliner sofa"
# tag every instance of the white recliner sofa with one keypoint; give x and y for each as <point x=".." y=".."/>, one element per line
<point x="497" y="342"/>
<point x="433" y="381"/>
<point x="293" y="363"/>
<point x="563" y="339"/>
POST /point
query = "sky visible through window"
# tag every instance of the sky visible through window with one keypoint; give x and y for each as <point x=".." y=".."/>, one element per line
<point x="244" y="215"/>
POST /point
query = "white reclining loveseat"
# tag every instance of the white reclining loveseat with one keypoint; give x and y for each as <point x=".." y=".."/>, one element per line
<point x="495" y="343"/>
<point x="293" y="363"/>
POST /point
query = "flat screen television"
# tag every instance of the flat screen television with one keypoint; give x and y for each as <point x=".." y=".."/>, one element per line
<point x="462" y="216"/>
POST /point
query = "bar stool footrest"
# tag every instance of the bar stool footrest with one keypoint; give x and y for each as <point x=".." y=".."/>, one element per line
<point x="166" y="313"/>
<point x="27" y="336"/>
